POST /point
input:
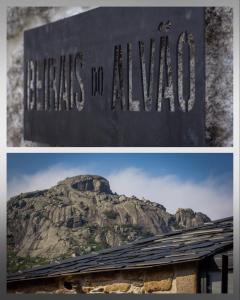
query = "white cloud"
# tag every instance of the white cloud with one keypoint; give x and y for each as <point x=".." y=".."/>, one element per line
<point x="208" y="196"/>
<point x="42" y="179"/>
<point x="211" y="196"/>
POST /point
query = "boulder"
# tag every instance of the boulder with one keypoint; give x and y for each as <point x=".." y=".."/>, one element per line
<point x="90" y="183"/>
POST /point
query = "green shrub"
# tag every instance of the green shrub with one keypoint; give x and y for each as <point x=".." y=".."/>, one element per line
<point x="17" y="263"/>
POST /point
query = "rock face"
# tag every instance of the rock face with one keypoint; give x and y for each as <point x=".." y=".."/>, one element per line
<point x="188" y="218"/>
<point x="88" y="183"/>
<point x="81" y="215"/>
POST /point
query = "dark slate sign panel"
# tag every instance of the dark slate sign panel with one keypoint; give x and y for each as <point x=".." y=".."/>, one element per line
<point x="117" y="77"/>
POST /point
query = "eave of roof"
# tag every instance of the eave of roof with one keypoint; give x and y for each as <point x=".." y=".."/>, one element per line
<point x="175" y="247"/>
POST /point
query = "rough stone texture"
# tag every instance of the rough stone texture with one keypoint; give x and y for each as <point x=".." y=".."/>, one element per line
<point x="158" y="281"/>
<point x="21" y="17"/>
<point x="188" y="218"/>
<point x="219" y="68"/>
<point x="90" y="183"/>
<point x="219" y="76"/>
<point x="186" y="279"/>
<point x="64" y="291"/>
<point x="117" y="287"/>
<point x="167" y="279"/>
<point x="81" y="215"/>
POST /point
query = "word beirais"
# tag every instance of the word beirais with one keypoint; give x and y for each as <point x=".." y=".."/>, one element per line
<point x="61" y="83"/>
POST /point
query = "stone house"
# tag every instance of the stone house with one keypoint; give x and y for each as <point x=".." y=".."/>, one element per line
<point x="197" y="260"/>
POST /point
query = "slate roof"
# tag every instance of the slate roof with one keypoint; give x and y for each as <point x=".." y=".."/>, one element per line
<point x="174" y="247"/>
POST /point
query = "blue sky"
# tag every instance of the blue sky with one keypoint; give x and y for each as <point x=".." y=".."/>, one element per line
<point x="188" y="166"/>
<point x="174" y="180"/>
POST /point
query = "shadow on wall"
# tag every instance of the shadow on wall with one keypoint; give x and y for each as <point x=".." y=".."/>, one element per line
<point x="219" y="70"/>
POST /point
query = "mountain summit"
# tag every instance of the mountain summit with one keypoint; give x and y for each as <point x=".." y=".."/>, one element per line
<point x="84" y="183"/>
<point x="80" y="215"/>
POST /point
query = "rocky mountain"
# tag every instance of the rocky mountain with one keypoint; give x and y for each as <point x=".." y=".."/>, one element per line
<point x="80" y="215"/>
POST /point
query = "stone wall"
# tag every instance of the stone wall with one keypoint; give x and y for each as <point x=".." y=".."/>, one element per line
<point x="219" y="76"/>
<point x="219" y="68"/>
<point x="181" y="278"/>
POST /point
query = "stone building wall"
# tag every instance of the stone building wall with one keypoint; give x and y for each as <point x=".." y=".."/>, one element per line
<point x="219" y="68"/>
<point x="181" y="278"/>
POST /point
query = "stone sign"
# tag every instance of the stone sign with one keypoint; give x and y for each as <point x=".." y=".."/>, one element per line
<point x="125" y="76"/>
